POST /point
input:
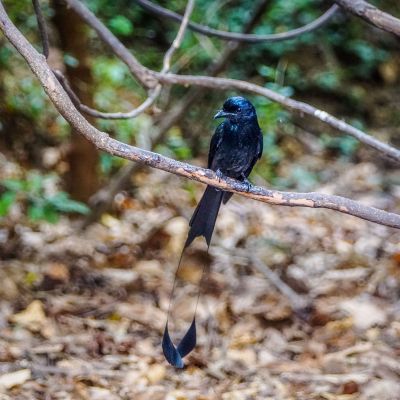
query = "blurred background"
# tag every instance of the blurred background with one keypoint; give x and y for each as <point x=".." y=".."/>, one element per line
<point x="296" y="304"/>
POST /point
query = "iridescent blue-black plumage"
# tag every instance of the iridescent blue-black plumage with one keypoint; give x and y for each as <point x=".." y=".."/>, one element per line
<point x="235" y="147"/>
<point x="237" y="143"/>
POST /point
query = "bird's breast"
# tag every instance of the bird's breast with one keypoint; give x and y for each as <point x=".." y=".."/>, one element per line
<point x="237" y="151"/>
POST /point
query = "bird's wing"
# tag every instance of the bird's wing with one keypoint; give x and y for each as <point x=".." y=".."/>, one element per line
<point x="215" y="142"/>
<point x="260" y="145"/>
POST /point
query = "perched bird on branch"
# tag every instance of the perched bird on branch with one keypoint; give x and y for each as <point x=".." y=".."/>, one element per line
<point x="235" y="147"/>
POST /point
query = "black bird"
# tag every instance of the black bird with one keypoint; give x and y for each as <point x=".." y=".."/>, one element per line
<point x="235" y="147"/>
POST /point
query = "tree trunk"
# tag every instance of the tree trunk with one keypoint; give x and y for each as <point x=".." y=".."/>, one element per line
<point x="82" y="178"/>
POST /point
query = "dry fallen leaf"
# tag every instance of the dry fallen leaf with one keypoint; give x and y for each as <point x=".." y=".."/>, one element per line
<point x="7" y="381"/>
<point x="58" y="272"/>
<point x="156" y="373"/>
<point x="32" y="318"/>
<point x="98" y="393"/>
<point x="364" y="312"/>
<point x="246" y="356"/>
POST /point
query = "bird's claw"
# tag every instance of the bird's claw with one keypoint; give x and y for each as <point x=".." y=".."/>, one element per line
<point x="219" y="174"/>
<point x="248" y="185"/>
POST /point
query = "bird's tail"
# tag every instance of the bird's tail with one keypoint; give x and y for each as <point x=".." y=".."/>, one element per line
<point x="203" y="220"/>
<point x="201" y="224"/>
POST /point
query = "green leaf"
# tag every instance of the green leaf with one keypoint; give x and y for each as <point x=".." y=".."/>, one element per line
<point x="6" y="200"/>
<point x="35" y="182"/>
<point x="38" y="212"/>
<point x="121" y="25"/>
<point x="14" y="185"/>
<point x="70" y="60"/>
<point x="62" y="203"/>
<point x="106" y="163"/>
<point x="267" y="72"/>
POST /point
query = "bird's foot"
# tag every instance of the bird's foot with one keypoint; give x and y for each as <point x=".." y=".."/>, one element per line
<point x="219" y="174"/>
<point x="248" y="184"/>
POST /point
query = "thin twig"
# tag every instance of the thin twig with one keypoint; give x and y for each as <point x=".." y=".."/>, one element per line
<point x="42" y="28"/>
<point x="152" y="97"/>
<point x="137" y="69"/>
<point x="153" y="94"/>
<point x="333" y="379"/>
<point x="73" y="372"/>
<point x="297" y="302"/>
<point x="227" y="84"/>
<point x="241" y="37"/>
<point x="372" y="15"/>
<point x="290" y="104"/>
<point x="179" y="37"/>
<point x="175" y="114"/>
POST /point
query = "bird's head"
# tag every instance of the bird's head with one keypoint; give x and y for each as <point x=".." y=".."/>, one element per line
<point x="235" y="109"/>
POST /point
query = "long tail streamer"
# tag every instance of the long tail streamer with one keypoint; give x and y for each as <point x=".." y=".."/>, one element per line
<point x="201" y="224"/>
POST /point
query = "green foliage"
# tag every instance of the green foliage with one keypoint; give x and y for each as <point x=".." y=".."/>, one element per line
<point x="121" y="25"/>
<point x="5" y="54"/>
<point x="369" y="56"/>
<point x="345" y="145"/>
<point x="70" y="60"/>
<point x="175" y="146"/>
<point x="327" y="80"/>
<point x="110" y="71"/>
<point x="6" y="201"/>
<point x="28" y="99"/>
<point x="298" y="178"/>
<point x="38" y="194"/>
<point x="107" y="161"/>
<point x="125" y="130"/>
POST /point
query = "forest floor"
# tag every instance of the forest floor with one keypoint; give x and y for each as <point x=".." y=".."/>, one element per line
<point x="296" y="304"/>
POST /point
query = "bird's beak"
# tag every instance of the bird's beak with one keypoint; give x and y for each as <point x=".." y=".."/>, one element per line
<point x="221" y="114"/>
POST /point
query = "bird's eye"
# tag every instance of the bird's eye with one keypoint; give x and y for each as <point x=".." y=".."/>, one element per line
<point x="239" y="109"/>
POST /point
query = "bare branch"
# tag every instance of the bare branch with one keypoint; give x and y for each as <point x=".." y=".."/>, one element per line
<point x="137" y="69"/>
<point x="241" y="37"/>
<point x="153" y="94"/>
<point x="152" y="97"/>
<point x="179" y="37"/>
<point x="290" y="104"/>
<point x="372" y="14"/>
<point x="225" y="84"/>
<point x="104" y="142"/>
<point x="300" y="304"/>
<point x="42" y="28"/>
<point x="102" y="200"/>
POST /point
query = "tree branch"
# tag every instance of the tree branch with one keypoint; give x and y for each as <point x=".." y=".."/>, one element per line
<point x="137" y="69"/>
<point x="42" y="28"/>
<point x="179" y="37"/>
<point x="225" y="84"/>
<point x="153" y="93"/>
<point x="372" y="14"/>
<point x="290" y="104"/>
<point x="240" y="37"/>
<point x="102" y="200"/>
<point x="102" y="141"/>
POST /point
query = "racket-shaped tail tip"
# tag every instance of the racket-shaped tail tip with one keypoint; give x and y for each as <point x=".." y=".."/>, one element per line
<point x="174" y="355"/>
<point x="171" y="354"/>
